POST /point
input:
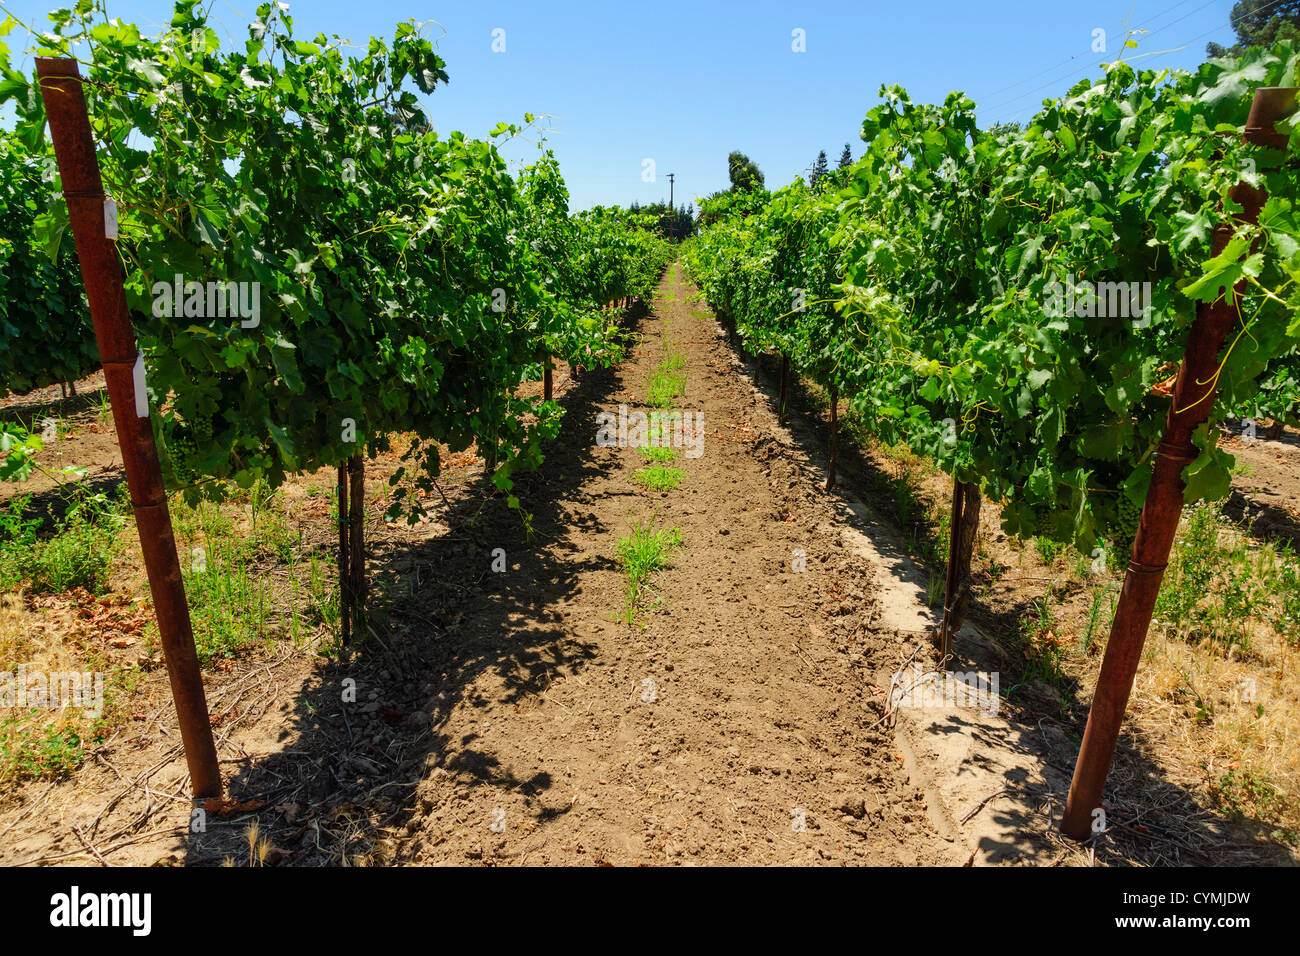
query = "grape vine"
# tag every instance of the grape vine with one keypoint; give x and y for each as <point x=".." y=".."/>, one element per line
<point x="1009" y="302"/>
<point x="388" y="279"/>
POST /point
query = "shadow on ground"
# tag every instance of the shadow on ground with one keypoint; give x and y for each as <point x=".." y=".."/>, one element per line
<point x="338" y="780"/>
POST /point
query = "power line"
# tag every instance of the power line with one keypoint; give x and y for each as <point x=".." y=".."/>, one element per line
<point x="1182" y="18"/>
<point x="1232" y="21"/>
<point x="1020" y="97"/>
<point x="1051" y="69"/>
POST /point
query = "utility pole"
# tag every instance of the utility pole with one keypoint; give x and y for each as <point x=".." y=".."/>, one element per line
<point x="671" y="179"/>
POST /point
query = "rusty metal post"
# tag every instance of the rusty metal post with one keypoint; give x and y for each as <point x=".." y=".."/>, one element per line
<point x="784" y="399"/>
<point x="74" y="148"/>
<point x="546" y="380"/>
<point x="345" y="580"/>
<point x="357" y="540"/>
<point x="834" y="438"/>
<point x="950" y="582"/>
<point x="1193" y="398"/>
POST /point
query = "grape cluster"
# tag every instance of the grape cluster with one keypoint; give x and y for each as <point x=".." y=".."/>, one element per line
<point x="1124" y="525"/>
<point x="183" y="443"/>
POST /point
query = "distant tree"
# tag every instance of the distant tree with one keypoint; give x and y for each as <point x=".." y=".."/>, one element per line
<point x="819" y="170"/>
<point x="1260" y="23"/>
<point x="674" y="224"/>
<point x="744" y="172"/>
<point x="724" y="204"/>
<point x="999" y="128"/>
<point x="846" y="157"/>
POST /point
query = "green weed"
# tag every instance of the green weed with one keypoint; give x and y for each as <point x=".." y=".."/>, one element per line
<point x="641" y="553"/>
<point x="1215" y="585"/>
<point x="230" y="606"/>
<point x="660" y="454"/>
<point x="17" y="536"/>
<point x="659" y="477"/>
<point x="1049" y="550"/>
<point x="1286" y="578"/>
<point x="80" y="552"/>
<point x="665" y="386"/>
<point x="674" y="359"/>
<point x="1249" y="794"/>
<point x="51" y="750"/>
<point x="1094" y="619"/>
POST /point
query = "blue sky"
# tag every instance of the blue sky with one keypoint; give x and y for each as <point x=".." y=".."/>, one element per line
<point x="685" y="83"/>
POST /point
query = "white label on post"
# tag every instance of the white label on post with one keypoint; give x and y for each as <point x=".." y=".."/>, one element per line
<point x="110" y="219"/>
<point x="141" y="396"/>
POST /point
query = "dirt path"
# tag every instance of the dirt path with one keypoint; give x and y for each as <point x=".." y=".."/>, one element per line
<point x="508" y="717"/>
<point x="1266" y="488"/>
<point x="762" y="710"/>
<point x="513" y="717"/>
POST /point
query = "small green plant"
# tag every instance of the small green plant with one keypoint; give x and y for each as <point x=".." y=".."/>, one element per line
<point x="659" y="477"/>
<point x="1240" y="598"/>
<point x="939" y="527"/>
<point x="270" y="533"/>
<point x="1043" y="621"/>
<point x="1288" y="590"/>
<point x="1204" y="708"/>
<point x="643" y="552"/>
<point x="17" y="535"/>
<point x="1250" y="794"/>
<point x="18" y="448"/>
<point x="323" y="592"/>
<point x="82" y="549"/>
<point x="1216" y="585"/>
<point x="934" y="591"/>
<point x="904" y="498"/>
<point x="48" y="750"/>
<point x="660" y="454"/>
<point x="1043" y="652"/>
<point x="664" y="387"/>
<point x="1094" y="619"/>
<point x="62" y="430"/>
<point x="1192" y="568"/>
<point x="229" y="606"/>
<point x="674" y="359"/>
<point x="1083" y="566"/>
<point x="1048" y="550"/>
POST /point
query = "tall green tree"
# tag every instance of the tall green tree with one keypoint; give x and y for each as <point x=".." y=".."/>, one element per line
<point x="1260" y="23"/>
<point x="744" y="172"/>
<point x="846" y="157"/>
<point x="819" y="169"/>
